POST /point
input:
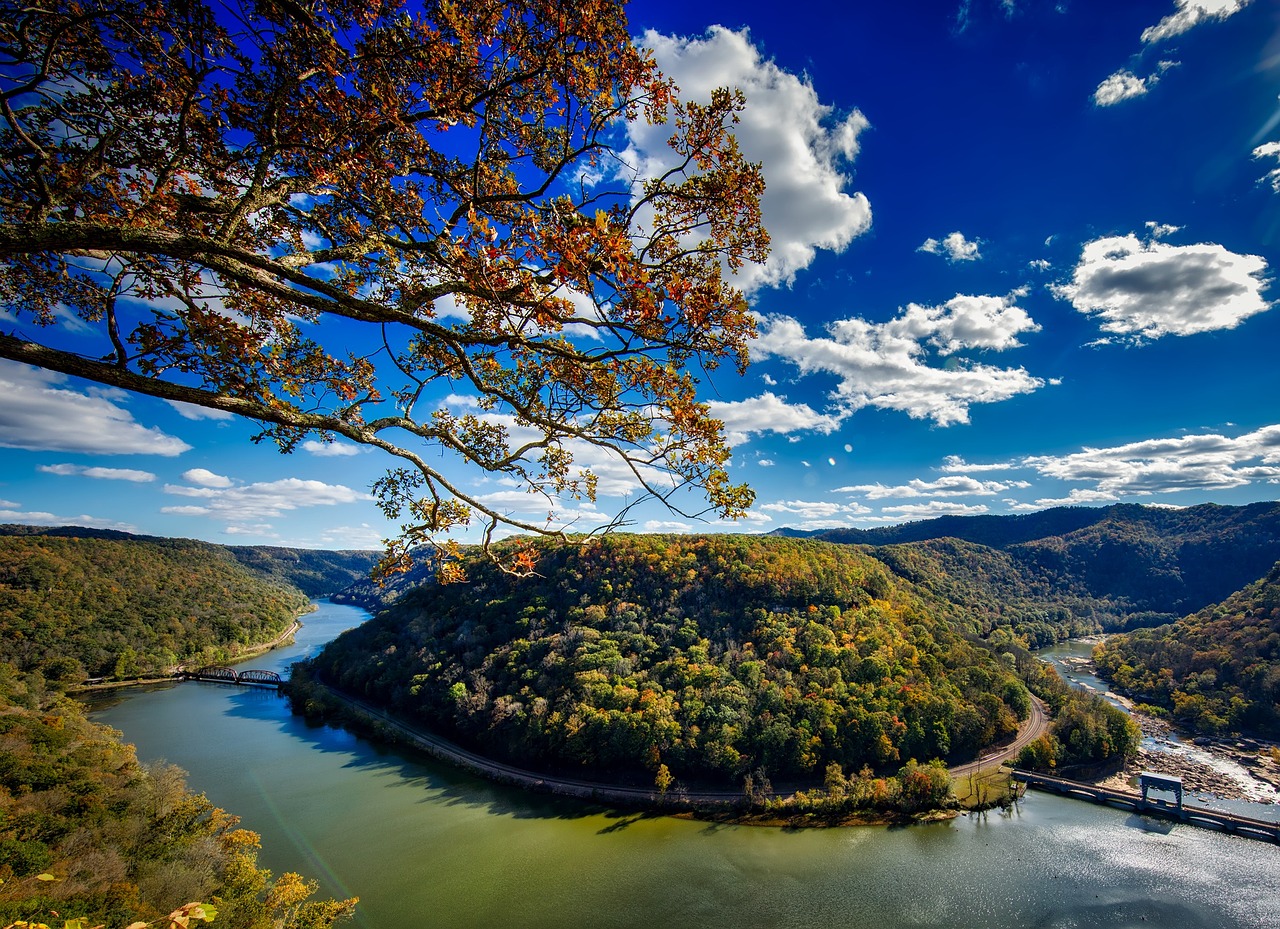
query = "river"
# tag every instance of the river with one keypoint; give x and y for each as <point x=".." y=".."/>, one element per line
<point x="425" y="846"/>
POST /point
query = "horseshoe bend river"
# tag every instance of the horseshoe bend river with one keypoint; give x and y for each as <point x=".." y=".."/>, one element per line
<point x="424" y="845"/>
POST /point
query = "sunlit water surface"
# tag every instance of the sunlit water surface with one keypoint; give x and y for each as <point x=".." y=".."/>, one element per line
<point x="425" y="846"/>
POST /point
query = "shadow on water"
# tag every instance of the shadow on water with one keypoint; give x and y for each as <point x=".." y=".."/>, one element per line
<point x="1150" y="824"/>
<point x="625" y="820"/>
<point x="439" y="782"/>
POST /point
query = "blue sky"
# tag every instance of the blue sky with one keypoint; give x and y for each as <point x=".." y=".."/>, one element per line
<point x="1023" y="257"/>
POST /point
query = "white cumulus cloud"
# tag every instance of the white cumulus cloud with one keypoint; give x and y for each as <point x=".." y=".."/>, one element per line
<point x="1153" y="289"/>
<point x="1123" y="85"/>
<point x="887" y="365"/>
<point x="770" y="413"/>
<point x="1200" y="462"/>
<point x="1189" y="14"/>
<point x="202" y="477"/>
<point x="804" y="146"/>
<point x="954" y="247"/>
<point x="40" y="413"/>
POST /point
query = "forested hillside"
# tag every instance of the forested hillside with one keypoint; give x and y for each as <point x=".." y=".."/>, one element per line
<point x="1217" y="671"/>
<point x="74" y="607"/>
<point x="714" y="656"/>
<point x="316" y="572"/>
<point x="87" y="832"/>
<point x="1062" y="572"/>
<point x="989" y="593"/>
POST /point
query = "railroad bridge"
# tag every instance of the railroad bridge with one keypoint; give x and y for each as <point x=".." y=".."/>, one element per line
<point x="248" y="678"/>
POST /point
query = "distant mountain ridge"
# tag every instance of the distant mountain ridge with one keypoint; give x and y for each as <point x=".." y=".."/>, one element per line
<point x="1003" y="531"/>
<point x="1070" y="569"/>
<point x="315" y="572"/>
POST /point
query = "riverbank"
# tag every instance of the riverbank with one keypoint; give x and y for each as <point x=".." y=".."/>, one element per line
<point x="859" y="801"/>
<point x="174" y="674"/>
<point x="1230" y="769"/>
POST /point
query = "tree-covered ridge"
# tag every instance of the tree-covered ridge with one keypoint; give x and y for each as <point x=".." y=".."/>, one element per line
<point x="86" y="831"/>
<point x="316" y="572"/>
<point x="98" y="607"/>
<point x="714" y="656"/>
<point x="1050" y="575"/>
<point x="1217" y="671"/>
<point x="988" y="593"/>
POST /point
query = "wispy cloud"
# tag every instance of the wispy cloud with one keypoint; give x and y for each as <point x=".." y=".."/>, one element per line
<point x="932" y="509"/>
<point x="40" y="518"/>
<point x="1188" y="15"/>
<point x="331" y="449"/>
<point x="954" y="464"/>
<point x="227" y="501"/>
<point x="197" y="413"/>
<point x="1270" y="150"/>
<point x="1124" y="84"/>
<point x="954" y="486"/>
<point x="105" y="474"/>
<point x="816" y="514"/>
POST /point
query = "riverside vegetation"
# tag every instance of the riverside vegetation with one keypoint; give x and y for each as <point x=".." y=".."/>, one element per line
<point x="86" y="830"/>
<point x="1216" y="671"/>
<point x="710" y="663"/>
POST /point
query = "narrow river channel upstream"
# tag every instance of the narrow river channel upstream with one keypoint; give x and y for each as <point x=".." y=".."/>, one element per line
<point x="423" y="845"/>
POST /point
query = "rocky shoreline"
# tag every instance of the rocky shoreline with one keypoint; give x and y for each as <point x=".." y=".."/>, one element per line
<point x="1229" y="769"/>
<point x="1244" y="769"/>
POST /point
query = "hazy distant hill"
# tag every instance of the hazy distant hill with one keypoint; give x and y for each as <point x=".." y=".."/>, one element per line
<point x="995" y="531"/>
<point x="316" y="572"/>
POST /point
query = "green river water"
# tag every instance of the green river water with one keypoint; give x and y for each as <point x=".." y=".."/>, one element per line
<point x="423" y="845"/>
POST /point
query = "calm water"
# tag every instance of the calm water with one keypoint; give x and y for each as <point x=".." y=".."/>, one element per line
<point x="424" y="846"/>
